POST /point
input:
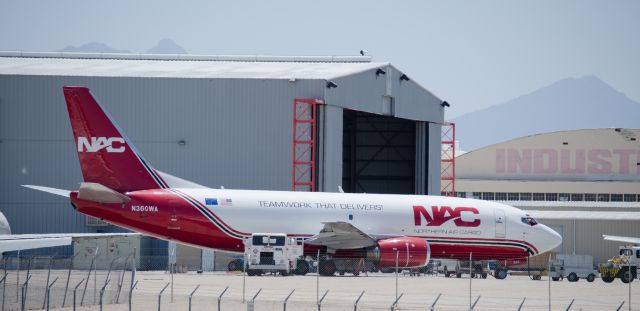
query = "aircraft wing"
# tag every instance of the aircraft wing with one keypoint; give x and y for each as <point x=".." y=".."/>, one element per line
<point x="14" y="242"/>
<point x="624" y="239"/>
<point x="341" y="235"/>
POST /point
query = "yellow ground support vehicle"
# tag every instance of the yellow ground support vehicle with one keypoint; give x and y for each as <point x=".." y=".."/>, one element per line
<point x="624" y="266"/>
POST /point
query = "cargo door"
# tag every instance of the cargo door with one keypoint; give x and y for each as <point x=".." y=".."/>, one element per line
<point x="500" y="222"/>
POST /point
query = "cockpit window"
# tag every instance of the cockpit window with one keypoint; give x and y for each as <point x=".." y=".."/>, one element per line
<point x="528" y="220"/>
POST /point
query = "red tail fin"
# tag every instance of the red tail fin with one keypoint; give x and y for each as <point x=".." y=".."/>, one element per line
<point x="106" y="156"/>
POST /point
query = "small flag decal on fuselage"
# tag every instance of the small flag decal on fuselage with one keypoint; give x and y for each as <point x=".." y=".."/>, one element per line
<point x="218" y="202"/>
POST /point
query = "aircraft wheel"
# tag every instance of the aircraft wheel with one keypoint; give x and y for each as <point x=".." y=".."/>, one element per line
<point x="591" y="277"/>
<point x="501" y="274"/>
<point x="302" y="268"/>
<point x="234" y="266"/>
<point x="327" y="268"/>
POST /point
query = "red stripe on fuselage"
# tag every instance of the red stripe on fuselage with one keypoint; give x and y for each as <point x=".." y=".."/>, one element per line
<point x="478" y="252"/>
<point x="162" y="181"/>
<point x="213" y="214"/>
<point x="163" y="215"/>
<point x="482" y="239"/>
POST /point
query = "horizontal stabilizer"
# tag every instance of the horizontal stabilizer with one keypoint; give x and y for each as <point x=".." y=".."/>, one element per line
<point x="60" y="192"/>
<point x="98" y="193"/>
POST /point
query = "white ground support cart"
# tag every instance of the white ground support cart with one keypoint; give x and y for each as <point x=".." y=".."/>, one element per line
<point x="573" y="268"/>
<point x="274" y="252"/>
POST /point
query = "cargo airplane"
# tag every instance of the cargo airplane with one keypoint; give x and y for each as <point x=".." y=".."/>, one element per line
<point x="123" y="189"/>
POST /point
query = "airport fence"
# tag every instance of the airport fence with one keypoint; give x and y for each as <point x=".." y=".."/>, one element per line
<point x="43" y="282"/>
<point x="31" y="282"/>
<point x="51" y="282"/>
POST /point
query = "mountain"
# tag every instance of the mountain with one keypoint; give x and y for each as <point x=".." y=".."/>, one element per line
<point x="573" y="103"/>
<point x="166" y="46"/>
<point x="93" y="47"/>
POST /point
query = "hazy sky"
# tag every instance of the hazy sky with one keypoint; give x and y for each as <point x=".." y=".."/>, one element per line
<point x="471" y="53"/>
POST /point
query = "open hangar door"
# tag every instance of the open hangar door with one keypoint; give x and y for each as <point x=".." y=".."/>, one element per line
<point x="381" y="154"/>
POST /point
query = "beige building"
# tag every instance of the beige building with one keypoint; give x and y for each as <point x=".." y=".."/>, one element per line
<point x="582" y="183"/>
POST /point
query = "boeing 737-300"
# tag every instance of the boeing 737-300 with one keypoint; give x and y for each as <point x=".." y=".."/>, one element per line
<point x="123" y="189"/>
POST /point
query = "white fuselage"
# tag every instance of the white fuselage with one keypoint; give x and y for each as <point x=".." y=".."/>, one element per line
<point x="378" y="215"/>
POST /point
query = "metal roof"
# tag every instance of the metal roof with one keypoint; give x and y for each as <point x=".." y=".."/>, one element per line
<point x="584" y="215"/>
<point x="184" y="66"/>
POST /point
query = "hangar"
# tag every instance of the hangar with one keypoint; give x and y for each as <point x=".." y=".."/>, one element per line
<point x="582" y="183"/>
<point x="246" y="122"/>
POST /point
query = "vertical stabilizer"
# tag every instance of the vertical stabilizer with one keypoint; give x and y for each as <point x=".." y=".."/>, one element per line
<point x="106" y="155"/>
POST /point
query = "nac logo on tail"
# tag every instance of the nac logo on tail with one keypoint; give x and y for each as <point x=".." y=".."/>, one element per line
<point x="112" y="144"/>
<point x="462" y="216"/>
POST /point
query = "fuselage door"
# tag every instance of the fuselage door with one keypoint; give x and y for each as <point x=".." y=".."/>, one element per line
<point x="501" y="223"/>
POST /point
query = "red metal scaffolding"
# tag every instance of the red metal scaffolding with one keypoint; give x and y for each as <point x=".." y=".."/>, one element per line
<point x="448" y="160"/>
<point x="304" y="144"/>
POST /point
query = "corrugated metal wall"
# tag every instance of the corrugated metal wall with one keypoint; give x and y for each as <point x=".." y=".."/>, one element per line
<point x="588" y="236"/>
<point x="422" y="156"/>
<point x="36" y="148"/>
<point x="366" y="91"/>
<point x="435" y="147"/>
<point x="329" y="148"/>
<point x="362" y="92"/>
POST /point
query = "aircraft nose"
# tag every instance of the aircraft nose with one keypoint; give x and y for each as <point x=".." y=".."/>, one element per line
<point x="551" y="239"/>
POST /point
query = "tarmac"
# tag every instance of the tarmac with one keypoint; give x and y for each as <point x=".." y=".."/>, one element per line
<point x="418" y="293"/>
